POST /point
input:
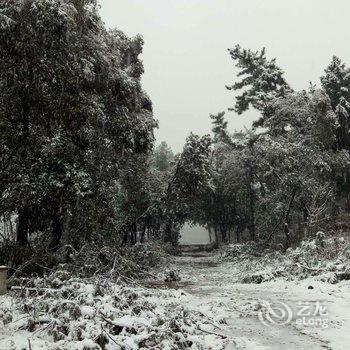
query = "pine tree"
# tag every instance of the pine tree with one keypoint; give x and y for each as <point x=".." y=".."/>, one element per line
<point x="262" y="81"/>
<point x="220" y="128"/>
<point x="336" y="83"/>
<point x="163" y="156"/>
<point x="189" y="183"/>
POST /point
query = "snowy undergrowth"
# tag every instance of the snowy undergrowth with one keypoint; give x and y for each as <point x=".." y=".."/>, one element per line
<point x="327" y="259"/>
<point x="61" y="312"/>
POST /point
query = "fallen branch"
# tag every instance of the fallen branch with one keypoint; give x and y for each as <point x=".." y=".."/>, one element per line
<point x="213" y="333"/>
<point x="21" y="268"/>
<point x="310" y="268"/>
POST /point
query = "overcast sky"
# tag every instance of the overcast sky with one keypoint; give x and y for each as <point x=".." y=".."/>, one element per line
<point x="185" y="55"/>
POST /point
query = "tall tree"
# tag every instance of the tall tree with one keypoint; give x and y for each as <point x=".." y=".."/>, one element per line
<point x="163" y="156"/>
<point x="262" y="81"/>
<point x="336" y="83"/>
<point x="72" y="112"/>
<point x="219" y="128"/>
<point x="189" y="183"/>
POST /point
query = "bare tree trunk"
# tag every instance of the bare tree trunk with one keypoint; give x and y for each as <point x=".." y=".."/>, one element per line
<point x="23" y="212"/>
<point x="23" y="226"/>
<point x="223" y="231"/>
<point x="283" y="217"/>
<point x="238" y="235"/>
<point x="217" y="237"/>
<point x="287" y="242"/>
<point x="305" y="219"/>
<point x="10" y="225"/>
<point x="57" y="230"/>
<point x="169" y="236"/>
<point x="210" y="234"/>
<point x="252" y="215"/>
<point x="125" y="238"/>
<point x="142" y="237"/>
<point x="251" y="226"/>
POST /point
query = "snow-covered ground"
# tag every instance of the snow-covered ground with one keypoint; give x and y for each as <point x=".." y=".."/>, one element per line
<point x="214" y="287"/>
<point x="207" y="310"/>
<point x="60" y="312"/>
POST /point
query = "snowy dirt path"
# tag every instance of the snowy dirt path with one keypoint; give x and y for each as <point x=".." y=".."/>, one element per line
<point x="214" y="288"/>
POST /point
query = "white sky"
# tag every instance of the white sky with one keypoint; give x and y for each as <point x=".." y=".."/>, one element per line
<point x="185" y="55"/>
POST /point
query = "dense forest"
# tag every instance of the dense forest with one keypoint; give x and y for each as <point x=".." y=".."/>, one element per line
<point x="83" y="181"/>
<point x="78" y="161"/>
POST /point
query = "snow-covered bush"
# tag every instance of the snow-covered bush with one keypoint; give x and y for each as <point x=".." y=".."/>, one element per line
<point x="60" y="312"/>
<point x="326" y="258"/>
<point x="233" y="251"/>
<point x="91" y="260"/>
